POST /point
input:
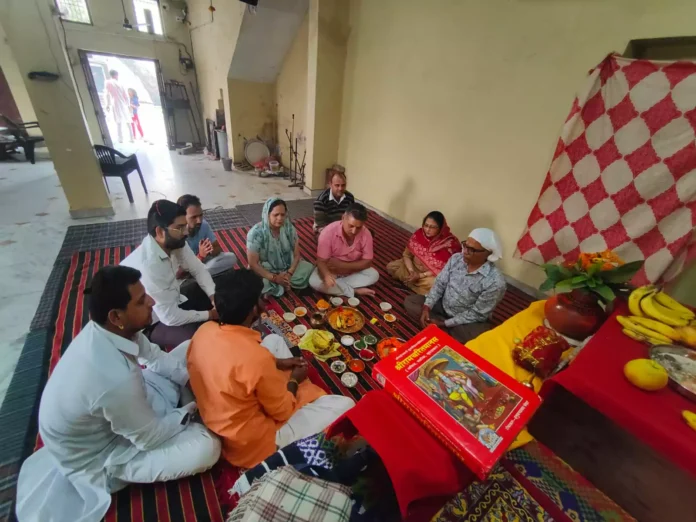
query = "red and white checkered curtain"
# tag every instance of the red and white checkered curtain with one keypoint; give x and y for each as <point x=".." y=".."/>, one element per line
<point x="623" y="176"/>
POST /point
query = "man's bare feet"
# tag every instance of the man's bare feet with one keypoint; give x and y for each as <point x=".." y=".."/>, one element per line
<point x="364" y="291"/>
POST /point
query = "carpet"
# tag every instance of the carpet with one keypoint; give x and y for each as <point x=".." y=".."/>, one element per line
<point x="64" y="313"/>
<point x="532" y="484"/>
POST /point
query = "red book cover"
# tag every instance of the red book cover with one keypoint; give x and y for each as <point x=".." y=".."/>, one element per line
<point x="471" y="406"/>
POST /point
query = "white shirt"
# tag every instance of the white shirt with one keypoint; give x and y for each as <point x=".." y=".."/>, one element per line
<point x="159" y="279"/>
<point x="94" y="413"/>
<point x="332" y="198"/>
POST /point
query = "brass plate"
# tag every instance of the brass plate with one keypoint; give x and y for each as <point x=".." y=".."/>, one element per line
<point x="332" y="316"/>
<point x="680" y="364"/>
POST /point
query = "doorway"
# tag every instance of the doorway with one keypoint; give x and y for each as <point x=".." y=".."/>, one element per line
<point x="126" y="94"/>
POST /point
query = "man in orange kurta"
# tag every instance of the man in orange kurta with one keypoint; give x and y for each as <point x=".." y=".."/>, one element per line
<point x="253" y="394"/>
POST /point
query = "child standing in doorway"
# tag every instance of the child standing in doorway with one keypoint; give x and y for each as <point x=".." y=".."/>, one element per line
<point x="135" y="120"/>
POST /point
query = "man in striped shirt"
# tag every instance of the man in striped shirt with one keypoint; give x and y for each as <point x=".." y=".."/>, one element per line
<point x="333" y="202"/>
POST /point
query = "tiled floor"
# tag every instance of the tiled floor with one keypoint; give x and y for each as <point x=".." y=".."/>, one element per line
<point x="34" y="219"/>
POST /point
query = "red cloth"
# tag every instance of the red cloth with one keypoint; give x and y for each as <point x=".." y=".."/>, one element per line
<point x="423" y="472"/>
<point x="596" y="376"/>
<point x="434" y="253"/>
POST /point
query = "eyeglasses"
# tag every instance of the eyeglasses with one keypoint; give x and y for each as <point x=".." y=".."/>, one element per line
<point x="473" y="250"/>
<point x="180" y="229"/>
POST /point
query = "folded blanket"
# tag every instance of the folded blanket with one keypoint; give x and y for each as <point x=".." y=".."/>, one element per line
<point x="285" y="495"/>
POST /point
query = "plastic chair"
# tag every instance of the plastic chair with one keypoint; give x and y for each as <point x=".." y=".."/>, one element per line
<point x="116" y="165"/>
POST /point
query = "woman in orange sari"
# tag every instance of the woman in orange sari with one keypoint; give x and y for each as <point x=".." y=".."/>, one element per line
<point x="426" y="254"/>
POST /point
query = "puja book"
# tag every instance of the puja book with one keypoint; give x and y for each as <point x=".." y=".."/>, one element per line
<point x="475" y="409"/>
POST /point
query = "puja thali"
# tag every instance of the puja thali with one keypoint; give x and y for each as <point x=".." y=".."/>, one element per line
<point x="345" y="319"/>
<point x="680" y="364"/>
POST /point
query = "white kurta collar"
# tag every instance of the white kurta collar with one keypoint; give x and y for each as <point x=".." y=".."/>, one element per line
<point x="153" y="247"/>
<point x="121" y="343"/>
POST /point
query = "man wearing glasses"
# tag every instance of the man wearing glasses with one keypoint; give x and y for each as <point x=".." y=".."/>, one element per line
<point x="179" y="308"/>
<point x="467" y="290"/>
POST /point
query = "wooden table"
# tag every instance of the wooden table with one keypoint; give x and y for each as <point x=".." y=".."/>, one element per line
<point x="631" y="444"/>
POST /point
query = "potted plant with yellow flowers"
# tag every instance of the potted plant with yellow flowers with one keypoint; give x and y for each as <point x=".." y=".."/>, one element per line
<point x="583" y="290"/>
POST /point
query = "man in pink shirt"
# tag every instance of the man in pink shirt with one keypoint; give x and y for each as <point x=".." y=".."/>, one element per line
<point x="344" y="256"/>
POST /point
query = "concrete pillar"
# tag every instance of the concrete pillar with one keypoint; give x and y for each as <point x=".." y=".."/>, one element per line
<point x="33" y="37"/>
<point x="328" y="36"/>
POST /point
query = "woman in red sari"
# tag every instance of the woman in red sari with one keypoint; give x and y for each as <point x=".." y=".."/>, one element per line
<point x="426" y="254"/>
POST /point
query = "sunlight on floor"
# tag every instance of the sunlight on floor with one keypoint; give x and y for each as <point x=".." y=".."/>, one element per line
<point x="34" y="218"/>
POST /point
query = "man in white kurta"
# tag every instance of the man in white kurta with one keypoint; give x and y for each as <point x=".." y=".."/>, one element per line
<point x="104" y="421"/>
<point x="118" y="104"/>
<point x="180" y="306"/>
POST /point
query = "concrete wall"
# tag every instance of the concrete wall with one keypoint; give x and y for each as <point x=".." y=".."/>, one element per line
<point x="252" y="113"/>
<point x="239" y="54"/>
<point x="107" y="35"/>
<point x="458" y="106"/>
<point x="214" y="38"/>
<point x="291" y="95"/>
<point x="15" y="81"/>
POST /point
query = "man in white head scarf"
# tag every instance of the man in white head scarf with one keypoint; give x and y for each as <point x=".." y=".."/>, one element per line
<point x="467" y="290"/>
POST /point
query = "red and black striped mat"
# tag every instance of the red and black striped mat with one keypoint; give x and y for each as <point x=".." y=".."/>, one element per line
<point x="195" y="499"/>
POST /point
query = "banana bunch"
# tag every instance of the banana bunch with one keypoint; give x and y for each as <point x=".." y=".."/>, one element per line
<point x="647" y="330"/>
<point x="657" y="318"/>
<point x="322" y="341"/>
<point x="690" y="418"/>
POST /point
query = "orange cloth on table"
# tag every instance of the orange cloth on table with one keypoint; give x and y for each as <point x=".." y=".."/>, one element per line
<point x="241" y="395"/>
<point x="496" y="347"/>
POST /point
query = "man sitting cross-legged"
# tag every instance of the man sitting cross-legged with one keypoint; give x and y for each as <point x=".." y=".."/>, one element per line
<point x="467" y="290"/>
<point x="253" y="394"/>
<point x="334" y="200"/>
<point x="106" y="422"/>
<point x="181" y="306"/>
<point x="201" y="238"/>
<point x="344" y="256"/>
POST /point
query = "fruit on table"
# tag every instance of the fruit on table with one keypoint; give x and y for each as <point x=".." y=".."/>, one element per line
<point x="687" y="335"/>
<point x="646" y="374"/>
<point x="674" y="305"/>
<point x="652" y="336"/>
<point x="657" y="326"/>
<point x="640" y="337"/>
<point x="648" y="301"/>
<point x="657" y="318"/>
<point x="690" y="418"/>
<point x="652" y="308"/>
<point x="636" y="296"/>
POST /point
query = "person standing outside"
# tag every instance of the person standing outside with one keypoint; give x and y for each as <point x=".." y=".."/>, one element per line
<point x="332" y="203"/>
<point x="467" y="290"/>
<point x="344" y="256"/>
<point x="201" y="238"/>
<point x="118" y="104"/>
<point x="105" y="422"/>
<point x="179" y="308"/>
<point x="135" y="119"/>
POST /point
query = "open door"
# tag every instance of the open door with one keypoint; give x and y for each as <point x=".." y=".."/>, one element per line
<point x="166" y="108"/>
<point x="93" y="75"/>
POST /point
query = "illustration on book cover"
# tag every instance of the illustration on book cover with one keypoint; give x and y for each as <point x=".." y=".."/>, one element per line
<point x="477" y="401"/>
